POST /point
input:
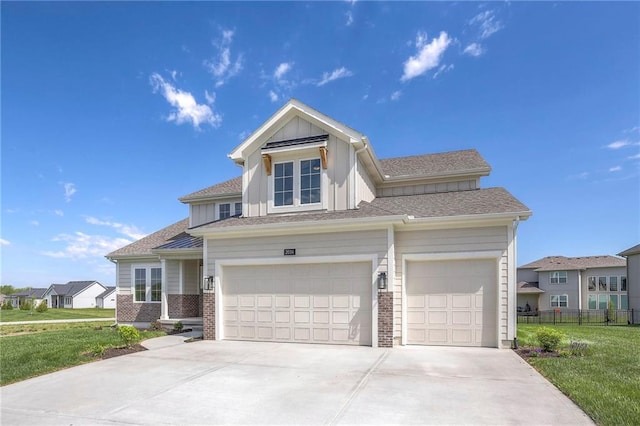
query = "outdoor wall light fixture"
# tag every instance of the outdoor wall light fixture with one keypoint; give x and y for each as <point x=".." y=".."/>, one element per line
<point x="208" y="283"/>
<point x="382" y="281"/>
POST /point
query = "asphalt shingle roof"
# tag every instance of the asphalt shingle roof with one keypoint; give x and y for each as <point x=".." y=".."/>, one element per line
<point x="448" y="204"/>
<point x="435" y="164"/>
<point x="36" y="293"/>
<point x="107" y="292"/>
<point x="630" y="251"/>
<point x="556" y="263"/>
<point x="72" y="287"/>
<point x="528" y="288"/>
<point x="144" y="245"/>
<point x="229" y="187"/>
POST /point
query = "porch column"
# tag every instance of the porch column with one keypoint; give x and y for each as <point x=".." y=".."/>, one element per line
<point x="164" y="309"/>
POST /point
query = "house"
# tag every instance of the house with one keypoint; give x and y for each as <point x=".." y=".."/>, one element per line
<point x="559" y="282"/>
<point x="319" y="241"/>
<point x="107" y="299"/>
<point x="35" y="295"/>
<point x="633" y="277"/>
<point x="74" y="294"/>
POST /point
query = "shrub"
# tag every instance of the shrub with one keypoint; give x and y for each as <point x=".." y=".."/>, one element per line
<point x="155" y="326"/>
<point x="26" y="305"/>
<point x="129" y="334"/>
<point x="97" y="350"/>
<point x="42" y="307"/>
<point x="6" y="305"/>
<point x="549" y="338"/>
<point x="578" y="348"/>
<point x="178" y="326"/>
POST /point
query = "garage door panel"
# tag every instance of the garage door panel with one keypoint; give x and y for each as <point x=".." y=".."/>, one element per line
<point x="460" y="302"/>
<point x="311" y="303"/>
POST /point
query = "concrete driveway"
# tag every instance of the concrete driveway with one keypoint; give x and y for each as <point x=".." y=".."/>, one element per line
<point x="271" y="383"/>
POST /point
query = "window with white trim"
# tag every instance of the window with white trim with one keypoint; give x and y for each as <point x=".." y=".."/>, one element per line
<point x="238" y="209"/>
<point x="67" y="300"/>
<point x="558" y="277"/>
<point x="297" y="183"/>
<point x="559" y="300"/>
<point x="224" y="210"/>
<point x="147" y="284"/>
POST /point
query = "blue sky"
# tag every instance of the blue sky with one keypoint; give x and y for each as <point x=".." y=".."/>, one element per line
<point x="111" y="111"/>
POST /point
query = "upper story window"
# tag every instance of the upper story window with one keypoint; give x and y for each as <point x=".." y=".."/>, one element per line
<point x="238" y="209"/>
<point x="224" y="210"/>
<point x="297" y="183"/>
<point x="558" y="277"/>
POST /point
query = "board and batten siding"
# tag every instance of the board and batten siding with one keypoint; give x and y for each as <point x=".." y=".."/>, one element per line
<point x="190" y="273"/>
<point x="366" y="188"/>
<point x="308" y="245"/>
<point x="451" y="241"/>
<point x="201" y="213"/>
<point x="256" y="179"/>
<point x="173" y="276"/>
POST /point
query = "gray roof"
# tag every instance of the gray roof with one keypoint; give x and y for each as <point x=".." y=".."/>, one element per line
<point x="35" y="293"/>
<point x="447" y="204"/>
<point x="144" y="245"/>
<point x="182" y="241"/>
<point x="297" y="141"/>
<point x="107" y="292"/>
<point x="230" y="187"/>
<point x="558" y="263"/>
<point x="72" y="287"/>
<point x="630" y="251"/>
<point x="528" y="288"/>
<point x="435" y="164"/>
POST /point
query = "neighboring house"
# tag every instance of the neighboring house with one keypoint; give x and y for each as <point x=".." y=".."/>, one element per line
<point x="36" y="295"/>
<point x="107" y="299"/>
<point x="559" y="282"/>
<point x="633" y="279"/>
<point x="319" y="241"/>
<point x="74" y="294"/>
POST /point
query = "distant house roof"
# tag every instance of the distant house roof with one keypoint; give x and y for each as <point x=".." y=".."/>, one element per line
<point x="144" y="245"/>
<point x="630" y="251"/>
<point x="555" y="263"/>
<point x="528" y="288"/>
<point x="435" y="164"/>
<point x="107" y="292"/>
<point x="446" y="204"/>
<point x="35" y="293"/>
<point x="72" y="287"/>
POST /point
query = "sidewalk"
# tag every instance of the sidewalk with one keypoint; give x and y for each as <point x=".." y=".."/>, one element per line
<point x="56" y="321"/>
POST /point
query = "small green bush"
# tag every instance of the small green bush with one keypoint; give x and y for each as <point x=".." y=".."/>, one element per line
<point x="578" y="348"/>
<point x="129" y="334"/>
<point x="549" y="338"/>
<point x="26" y="305"/>
<point x="97" y="350"/>
<point x="155" y="326"/>
<point x="178" y="326"/>
<point x="42" y="307"/>
<point x="6" y="305"/>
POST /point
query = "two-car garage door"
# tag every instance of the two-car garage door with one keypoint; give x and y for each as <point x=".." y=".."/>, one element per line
<point x="307" y="303"/>
<point x="451" y="302"/>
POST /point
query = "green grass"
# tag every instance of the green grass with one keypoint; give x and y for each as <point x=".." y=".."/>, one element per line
<point x="13" y="329"/>
<point x="29" y="355"/>
<point x="606" y="382"/>
<point x="55" y="314"/>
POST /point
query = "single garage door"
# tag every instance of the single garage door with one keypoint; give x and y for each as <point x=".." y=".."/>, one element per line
<point x="307" y="303"/>
<point x="452" y="302"/>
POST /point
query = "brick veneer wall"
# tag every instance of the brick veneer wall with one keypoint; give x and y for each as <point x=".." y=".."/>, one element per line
<point x="136" y="312"/>
<point x="183" y="305"/>
<point x="385" y="319"/>
<point x="209" y="316"/>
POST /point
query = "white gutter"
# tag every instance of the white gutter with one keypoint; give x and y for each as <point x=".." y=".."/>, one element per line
<point x="467" y="218"/>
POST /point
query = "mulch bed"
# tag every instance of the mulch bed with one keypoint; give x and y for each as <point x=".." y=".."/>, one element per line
<point x="113" y="352"/>
<point x="526" y="351"/>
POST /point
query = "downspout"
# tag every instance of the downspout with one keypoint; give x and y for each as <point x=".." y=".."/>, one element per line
<point x="355" y="168"/>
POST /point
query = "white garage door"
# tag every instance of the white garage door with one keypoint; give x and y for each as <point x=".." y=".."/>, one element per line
<point x="452" y="303"/>
<point x="308" y="303"/>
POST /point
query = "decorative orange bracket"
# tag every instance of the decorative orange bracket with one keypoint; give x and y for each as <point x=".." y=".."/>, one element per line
<point x="266" y="159"/>
<point x="323" y="156"/>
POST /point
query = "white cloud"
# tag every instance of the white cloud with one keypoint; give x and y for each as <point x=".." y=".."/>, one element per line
<point x="4" y="242"/>
<point x="34" y="223"/>
<point x="334" y="75"/>
<point x="442" y="70"/>
<point x="487" y="23"/>
<point x="427" y="57"/>
<point x="210" y="97"/>
<point x="634" y="157"/>
<point x="187" y="110"/>
<point x="58" y="212"/>
<point x="222" y="67"/>
<point x="396" y="95"/>
<point x="69" y="190"/>
<point x="633" y="130"/>
<point x="273" y="96"/>
<point x="282" y="69"/>
<point x="349" y="16"/>
<point x="474" y="49"/>
<point x="130" y="231"/>
<point x="615" y="169"/>
<point x="618" y="144"/>
<point x="82" y="246"/>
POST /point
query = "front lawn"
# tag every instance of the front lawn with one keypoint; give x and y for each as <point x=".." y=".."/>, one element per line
<point x="28" y="355"/>
<point x="606" y="382"/>
<point x="55" y="314"/>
